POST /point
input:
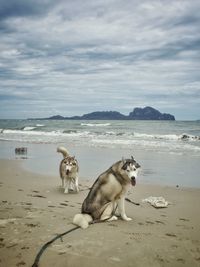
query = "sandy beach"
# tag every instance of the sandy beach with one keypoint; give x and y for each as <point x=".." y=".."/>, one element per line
<point x="34" y="209"/>
<point x="117" y="84"/>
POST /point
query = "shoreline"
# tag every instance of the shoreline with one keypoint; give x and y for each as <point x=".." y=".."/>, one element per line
<point x="34" y="209"/>
<point x="158" y="168"/>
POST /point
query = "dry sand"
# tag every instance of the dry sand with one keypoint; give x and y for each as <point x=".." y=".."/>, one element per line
<point x="34" y="209"/>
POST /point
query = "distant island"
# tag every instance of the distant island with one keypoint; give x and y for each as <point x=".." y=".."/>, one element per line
<point x="147" y="113"/>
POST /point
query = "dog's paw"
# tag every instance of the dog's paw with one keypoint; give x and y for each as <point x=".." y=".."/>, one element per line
<point x="113" y="218"/>
<point x="66" y="191"/>
<point x="125" y="218"/>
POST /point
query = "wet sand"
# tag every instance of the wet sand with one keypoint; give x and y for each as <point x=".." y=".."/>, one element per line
<point x="34" y="209"/>
<point x="158" y="167"/>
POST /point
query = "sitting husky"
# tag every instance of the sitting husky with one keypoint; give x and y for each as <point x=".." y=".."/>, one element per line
<point x="108" y="193"/>
<point x="68" y="171"/>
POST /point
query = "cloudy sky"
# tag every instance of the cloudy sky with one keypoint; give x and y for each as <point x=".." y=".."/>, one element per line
<point x="71" y="57"/>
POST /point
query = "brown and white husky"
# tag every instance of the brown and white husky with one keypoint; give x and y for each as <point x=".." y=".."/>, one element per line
<point x="68" y="171"/>
<point x="108" y="193"/>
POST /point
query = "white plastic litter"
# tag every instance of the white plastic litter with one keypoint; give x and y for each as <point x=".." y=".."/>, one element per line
<point x="156" y="202"/>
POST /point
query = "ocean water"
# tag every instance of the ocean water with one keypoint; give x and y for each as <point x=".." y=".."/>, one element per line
<point x="168" y="151"/>
<point x="171" y="136"/>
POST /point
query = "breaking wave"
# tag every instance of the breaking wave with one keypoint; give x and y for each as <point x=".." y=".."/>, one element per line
<point x="96" y="124"/>
<point x="29" y="128"/>
<point x="114" y="138"/>
<point x="174" y="137"/>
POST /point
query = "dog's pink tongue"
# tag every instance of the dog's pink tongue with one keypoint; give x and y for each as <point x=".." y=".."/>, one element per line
<point x="133" y="181"/>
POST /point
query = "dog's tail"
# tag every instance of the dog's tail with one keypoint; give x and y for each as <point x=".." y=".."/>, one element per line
<point x="63" y="150"/>
<point x="82" y="220"/>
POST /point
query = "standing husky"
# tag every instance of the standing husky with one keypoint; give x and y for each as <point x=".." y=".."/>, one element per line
<point x="107" y="193"/>
<point x="68" y="171"/>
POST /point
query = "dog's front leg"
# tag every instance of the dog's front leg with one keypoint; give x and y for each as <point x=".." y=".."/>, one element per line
<point x="121" y="209"/>
<point x="63" y="183"/>
<point x="66" y="186"/>
<point x="76" y="184"/>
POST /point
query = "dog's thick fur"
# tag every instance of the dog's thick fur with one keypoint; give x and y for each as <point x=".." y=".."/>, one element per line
<point x="108" y="193"/>
<point x="68" y="171"/>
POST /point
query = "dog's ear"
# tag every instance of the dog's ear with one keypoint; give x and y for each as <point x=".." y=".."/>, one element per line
<point x="124" y="164"/>
<point x="132" y="157"/>
<point x="138" y="165"/>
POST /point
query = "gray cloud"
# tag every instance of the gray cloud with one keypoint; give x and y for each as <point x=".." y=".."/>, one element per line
<point x="23" y="8"/>
<point x="80" y="56"/>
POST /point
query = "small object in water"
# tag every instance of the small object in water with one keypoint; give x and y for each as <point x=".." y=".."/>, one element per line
<point x="21" y="150"/>
<point x="185" y="137"/>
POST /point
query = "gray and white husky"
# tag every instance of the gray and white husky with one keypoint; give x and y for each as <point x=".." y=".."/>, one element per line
<point x="108" y="193"/>
<point x="68" y="171"/>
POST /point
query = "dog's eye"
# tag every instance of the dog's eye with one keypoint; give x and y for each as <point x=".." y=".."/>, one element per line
<point x="128" y="170"/>
<point x="134" y="169"/>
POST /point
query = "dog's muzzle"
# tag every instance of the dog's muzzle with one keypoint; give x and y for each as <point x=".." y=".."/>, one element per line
<point x="133" y="181"/>
<point x="67" y="171"/>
